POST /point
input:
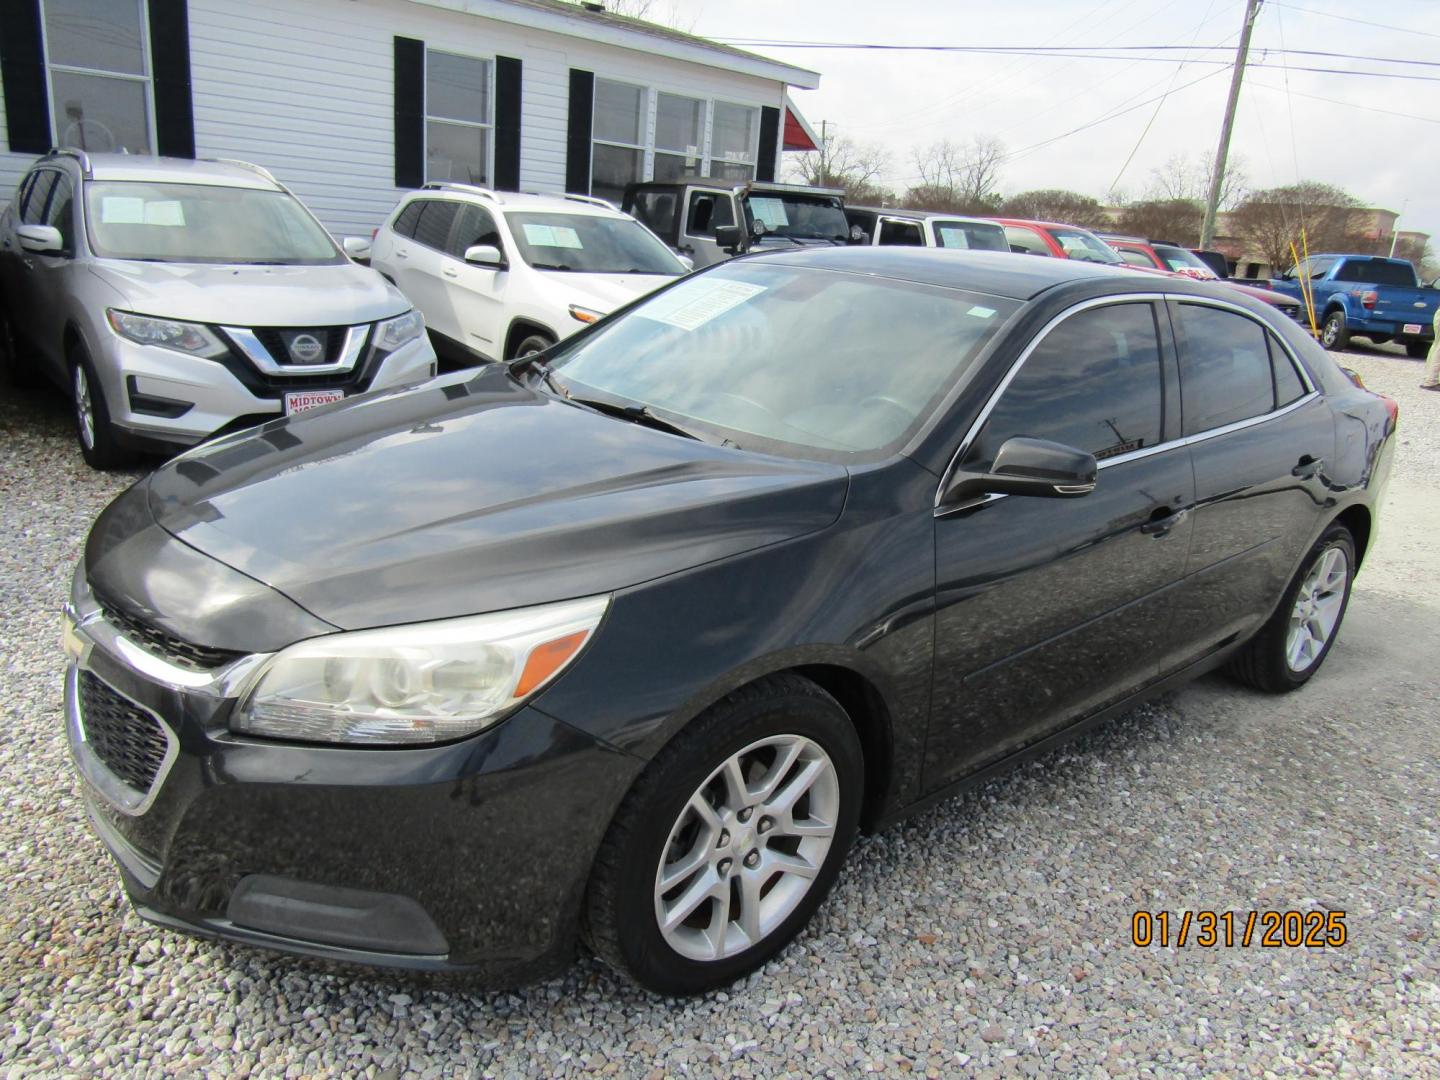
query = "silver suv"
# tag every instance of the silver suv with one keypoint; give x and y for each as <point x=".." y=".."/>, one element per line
<point x="175" y="299"/>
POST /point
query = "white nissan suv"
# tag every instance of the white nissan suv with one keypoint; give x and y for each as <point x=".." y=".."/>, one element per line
<point x="500" y="274"/>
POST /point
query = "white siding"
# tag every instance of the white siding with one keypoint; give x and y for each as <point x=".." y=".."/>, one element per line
<point x="12" y="166"/>
<point x="305" y="88"/>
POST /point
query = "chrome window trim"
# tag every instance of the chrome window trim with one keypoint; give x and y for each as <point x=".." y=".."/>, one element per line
<point x="1311" y="393"/>
<point x="258" y="355"/>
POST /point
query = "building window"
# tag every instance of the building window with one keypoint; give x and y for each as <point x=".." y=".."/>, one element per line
<point x="617" y="157"/>
<point x="640" y="134"/>
<point x="458" y="118"/>
<point x="96" y="53"/>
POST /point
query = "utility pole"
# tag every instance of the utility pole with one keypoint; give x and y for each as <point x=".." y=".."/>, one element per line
<point x="824" y="154"/>
<point x="1217" y="177"/>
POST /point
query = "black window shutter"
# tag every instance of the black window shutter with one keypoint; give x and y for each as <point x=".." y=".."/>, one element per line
<point x="409" y="113"/>
<point x="577" y="141"/>
<point x="769" y="137"/>
<point x="170" y="62"/>
<point x="507" y="123"/>
<point x="22" y="73"/>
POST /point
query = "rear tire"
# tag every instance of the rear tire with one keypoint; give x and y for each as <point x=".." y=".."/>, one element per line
<point x="94" y="431"/>
<point x="1417" y="350"/>
<point x="1333" y="334"/>
<point x="749" y="813"/>
<point x="1288" y="649"/>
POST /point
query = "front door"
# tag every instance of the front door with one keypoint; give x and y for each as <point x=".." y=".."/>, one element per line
<point x="475" y="295"/>
<point x="1048" y="609"/>
<point x="706" y="209"/>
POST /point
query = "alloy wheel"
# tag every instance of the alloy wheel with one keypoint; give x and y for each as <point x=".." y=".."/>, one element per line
<point x="747" y="847"/>
<point x="84" y="408"/>
<point x="1317" y="609"/>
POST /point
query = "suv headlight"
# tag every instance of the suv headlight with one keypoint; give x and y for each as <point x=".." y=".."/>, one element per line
<point x="421" y="683"/>
<point x="186" y="337"/>
<point x="401" y="330"/>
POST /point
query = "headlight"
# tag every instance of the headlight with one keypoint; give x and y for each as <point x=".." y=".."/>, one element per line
<point x="186" y="337"/>
<point x="393" y="333"/>
<point x="423" y="683"/>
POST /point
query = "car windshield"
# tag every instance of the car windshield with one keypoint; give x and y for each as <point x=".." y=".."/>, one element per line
<point x="791" y="360"/>
<point x="1079" y="244"/>
<point x="1184" y="262"/>
<point x="203" y="223"/>
<point x="800" y="217"/>
<point x="590" y="244"/>
<point x="976" y="235"/>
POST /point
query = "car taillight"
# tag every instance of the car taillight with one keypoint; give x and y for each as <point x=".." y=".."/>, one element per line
<point x="1393" y="408"/>
<point x="374" y="233"/>
<point x="1368" y="299"/>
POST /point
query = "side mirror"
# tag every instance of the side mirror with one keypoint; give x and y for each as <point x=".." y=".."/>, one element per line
<point x="1026" y="466"/>
<point x="485" y="255"/>
<point x="357" y="247"/>
<point x="730" y="238"/>
<point x="43" y="239"/>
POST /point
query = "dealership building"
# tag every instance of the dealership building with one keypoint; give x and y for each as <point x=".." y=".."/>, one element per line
<point x="352" y="102"/>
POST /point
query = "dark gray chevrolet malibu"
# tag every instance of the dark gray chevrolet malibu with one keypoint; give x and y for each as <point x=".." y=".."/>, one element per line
<point x="623" y="642"/>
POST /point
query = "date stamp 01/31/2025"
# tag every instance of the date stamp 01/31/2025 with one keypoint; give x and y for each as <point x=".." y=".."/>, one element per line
<point x="1227" y="929"/>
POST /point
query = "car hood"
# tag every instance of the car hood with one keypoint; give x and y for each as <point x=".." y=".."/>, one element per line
<point x="604" y="292"/>
<point x="471" y="493"/>
<point x="338" y="295"/>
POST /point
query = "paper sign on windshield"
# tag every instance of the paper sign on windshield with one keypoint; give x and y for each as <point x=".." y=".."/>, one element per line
<point x="129" y="210"/>
<point x="952" y="237"/>
<point x="556" y="236"/>
<point x="692" y="305"/>
<point x="770" y="211"/>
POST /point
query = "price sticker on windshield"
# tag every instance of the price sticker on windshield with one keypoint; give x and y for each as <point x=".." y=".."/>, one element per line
<point x="694" y="303"/>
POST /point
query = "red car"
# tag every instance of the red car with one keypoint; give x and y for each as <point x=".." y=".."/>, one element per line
<point x="1072" y="242"/>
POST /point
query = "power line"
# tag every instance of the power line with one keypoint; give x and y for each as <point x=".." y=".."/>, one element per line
<point x="1352" y="19"/>
<point x="1348" y="104"/>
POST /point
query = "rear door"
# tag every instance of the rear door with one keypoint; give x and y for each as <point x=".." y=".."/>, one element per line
<point x="1261" y="438"/>
<point x="420" y="276"/>
<point x="1049" y="609"/>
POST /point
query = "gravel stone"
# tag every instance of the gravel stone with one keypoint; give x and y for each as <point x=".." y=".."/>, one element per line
<point x="989" y="935"/>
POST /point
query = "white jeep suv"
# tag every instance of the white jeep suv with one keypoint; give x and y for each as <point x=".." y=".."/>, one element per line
<point x="499" y="274"/>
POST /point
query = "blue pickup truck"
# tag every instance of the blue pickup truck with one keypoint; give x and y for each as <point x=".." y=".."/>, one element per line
<point x="1374" y="297"/>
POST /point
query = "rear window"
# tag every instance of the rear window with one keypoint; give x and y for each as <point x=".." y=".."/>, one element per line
<point x="405" y="223"/>
<point x="975" y="235"/>
<point x="1376" y="272"/>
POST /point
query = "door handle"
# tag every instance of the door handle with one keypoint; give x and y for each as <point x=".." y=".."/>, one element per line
<point x="1307" y="467"/>
<point x="1162" y="520"/>
<point x="450" y="272"/>
<point x="402" y="254"/>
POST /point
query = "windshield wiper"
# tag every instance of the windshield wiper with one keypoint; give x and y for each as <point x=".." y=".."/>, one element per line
<point x="550" y="266"/>
<point x="636" y="414"/>
<point x="547" y="374"/>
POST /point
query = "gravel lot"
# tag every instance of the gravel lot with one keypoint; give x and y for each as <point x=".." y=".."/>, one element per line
<point x="992" y="933"/>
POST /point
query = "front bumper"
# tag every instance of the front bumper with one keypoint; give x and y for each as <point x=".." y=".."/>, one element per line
<point x="134" y="374"/>
<point x="471" y="856"/>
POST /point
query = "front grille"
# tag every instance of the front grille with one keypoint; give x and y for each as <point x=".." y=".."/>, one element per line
<point x="128" y="740"/>
<point x="278" y="344"/>
<point x="166" y="646"/>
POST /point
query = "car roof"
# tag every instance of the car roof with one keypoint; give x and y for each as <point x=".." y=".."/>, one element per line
<point x="1042" y="224"/>
<point x="1019" y="277"/>
<point x="923" y="215"/>
<point x="178" y="170"/>
<point x="523" y="201"/>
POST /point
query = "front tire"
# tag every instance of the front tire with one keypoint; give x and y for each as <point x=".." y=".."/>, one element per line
<point x="1290" y="648"/>
<point x="1334" y="335"/>
<point x="94" y="431"/>
<point x="532" y="343"/>
<point x="730" y="839"/>
<point x="1417" y="350"/>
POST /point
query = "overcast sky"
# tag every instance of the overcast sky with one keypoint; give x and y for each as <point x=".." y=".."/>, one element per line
<point x="905" y="100"/>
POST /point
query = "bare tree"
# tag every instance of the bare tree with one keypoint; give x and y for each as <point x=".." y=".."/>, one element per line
<point x="959" y="178"/>
<point x="1184" y="177"/>
<point x="1055" y="204"/>
<point x="840" y="162"/>
<point x="667" y="14"/>
<point x="1164" y="219"/>
<point x="1308" y="214"/>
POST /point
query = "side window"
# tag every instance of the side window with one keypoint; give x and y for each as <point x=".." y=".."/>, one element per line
<point x="33" y="212"/>
<point x="1135" y="258"/>
<point x="61" y="211"/>
<point x="657" y="210"/>
<point x="708" y="211"/>
<point x="1225" y="371"/>
<point x="1026" y="241"/>
<point x="473" y="225"/>
<point x="906" y="233"/>
<point x="1094" y="383"/>
<point x="21" y="193"/>
<point x="409" y="217"/>
<point x="1315" y="267"/>
<point x="864" y="221"/>
<point x="433" y="228"/>
<point x="1288" y="385"/>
